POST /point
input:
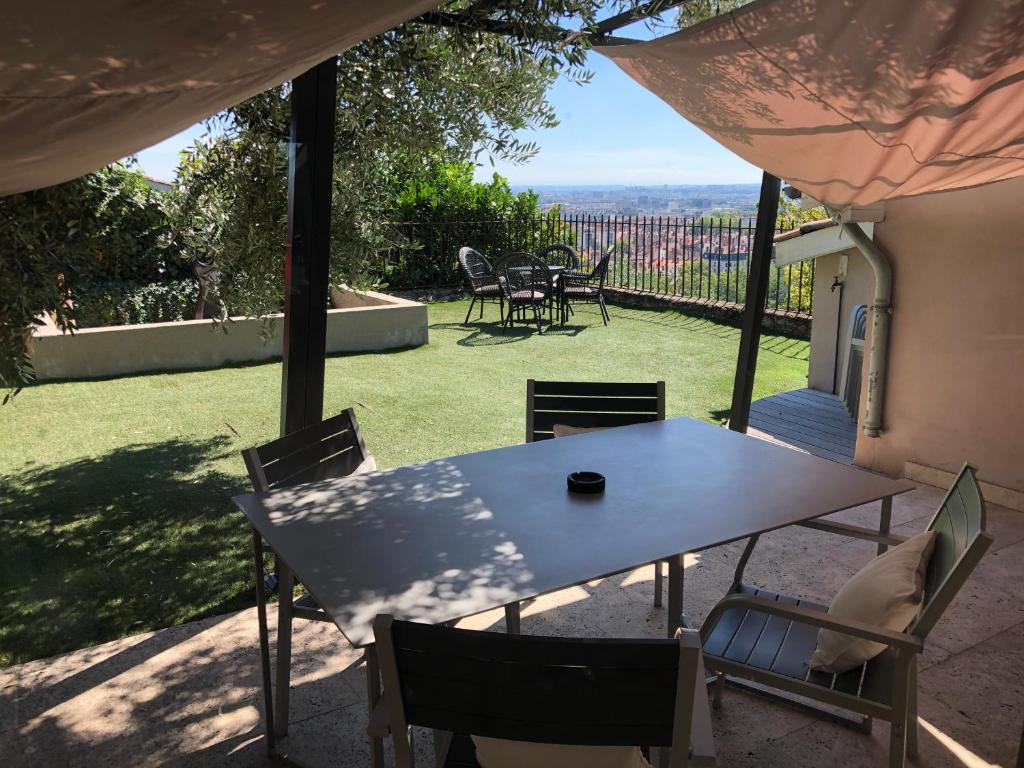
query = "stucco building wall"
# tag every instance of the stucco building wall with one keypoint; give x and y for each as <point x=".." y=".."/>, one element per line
<point x="955" y="381"/>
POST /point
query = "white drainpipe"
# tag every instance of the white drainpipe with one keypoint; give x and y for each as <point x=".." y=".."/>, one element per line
<point x="881" y="309"/>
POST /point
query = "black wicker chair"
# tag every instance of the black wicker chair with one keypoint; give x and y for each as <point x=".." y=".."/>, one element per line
<point x="583" y="287"/>
<point x="560" y="255"/>
<point x="483" y="282"/>
<point x="526" y="283"/>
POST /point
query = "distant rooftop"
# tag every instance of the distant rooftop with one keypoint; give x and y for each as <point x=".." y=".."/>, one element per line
<point x="158" y="184"/>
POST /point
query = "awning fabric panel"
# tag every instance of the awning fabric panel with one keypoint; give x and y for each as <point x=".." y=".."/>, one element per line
<point x="852" y="101"/>
<point x="83" y="84"/>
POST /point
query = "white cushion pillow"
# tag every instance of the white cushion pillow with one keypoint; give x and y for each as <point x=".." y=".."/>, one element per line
<point x="499" y="753"/>
<point x="564" y="430"/>
<point x="887" y="592"/>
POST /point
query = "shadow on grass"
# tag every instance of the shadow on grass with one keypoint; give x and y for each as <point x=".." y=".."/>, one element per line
<point x="483" y="334"/>
<point x="142" y="537"/>
<point x="793" y="348"/>
<point x="720" y="415"/>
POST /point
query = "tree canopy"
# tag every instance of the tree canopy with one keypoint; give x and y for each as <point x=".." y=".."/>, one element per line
<point x="428" y="93"/>
<point x="695" y="11"/>
<point x="105" y="226"/>
<point x="418" y="96"/>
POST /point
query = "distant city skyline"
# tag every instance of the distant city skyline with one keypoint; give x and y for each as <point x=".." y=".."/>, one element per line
<point x="671" y="200"/>
<point x="611" y="131"/>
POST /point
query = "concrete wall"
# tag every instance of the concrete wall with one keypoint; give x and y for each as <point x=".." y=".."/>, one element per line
<point x="955" y="383"/>
<point x="365" y="322"/>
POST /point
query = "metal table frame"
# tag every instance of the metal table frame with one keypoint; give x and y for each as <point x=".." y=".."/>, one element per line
<point x="276" y="686"/>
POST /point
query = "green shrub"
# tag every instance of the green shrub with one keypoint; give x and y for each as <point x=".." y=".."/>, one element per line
<point x="443" y="209"/>
<point x="54" y="242"/>
<point x="119" y="302"/>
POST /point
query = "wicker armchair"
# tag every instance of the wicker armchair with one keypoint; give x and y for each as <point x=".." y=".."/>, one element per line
<point x="483" y="282"/>
<point x="526" y="283"/>
<point x="560" y="255"/>
<point x="579" y="286"/>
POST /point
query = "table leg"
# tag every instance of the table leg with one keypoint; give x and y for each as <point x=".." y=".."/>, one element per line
<point x="884" y="521"/>
<point x="675" y="594"/>
<point x="261" y="616"/>
<point x="286" y="585"/>
<point x="512" y="618"/>
<point x="658" y="588"/>
<point x="373" y="693"/>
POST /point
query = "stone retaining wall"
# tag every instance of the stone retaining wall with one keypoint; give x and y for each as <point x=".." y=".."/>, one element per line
<point x="793" y="324"/>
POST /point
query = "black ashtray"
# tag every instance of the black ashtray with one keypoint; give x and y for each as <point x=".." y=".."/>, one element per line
<point x="585" y="482"/>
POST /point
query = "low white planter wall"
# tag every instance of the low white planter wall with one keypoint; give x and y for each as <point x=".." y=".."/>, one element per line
<point x="365" y="322"/>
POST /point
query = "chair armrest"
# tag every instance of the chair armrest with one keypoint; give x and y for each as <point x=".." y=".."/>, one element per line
<point x="898" y="640"/>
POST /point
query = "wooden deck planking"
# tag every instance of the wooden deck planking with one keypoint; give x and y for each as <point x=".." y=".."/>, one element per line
<point x="810" y="421"/>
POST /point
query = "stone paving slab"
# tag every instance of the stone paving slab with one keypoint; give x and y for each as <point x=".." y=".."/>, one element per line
<point x="190" y="696"/>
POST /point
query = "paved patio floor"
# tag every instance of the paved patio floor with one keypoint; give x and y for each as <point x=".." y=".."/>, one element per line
<point x="189" y="695"/>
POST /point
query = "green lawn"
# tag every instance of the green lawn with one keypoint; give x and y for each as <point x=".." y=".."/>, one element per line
<point x="114" y="495"/>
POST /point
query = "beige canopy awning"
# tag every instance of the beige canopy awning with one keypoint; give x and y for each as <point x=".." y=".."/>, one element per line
<point x="83" y="84"/>
<point x="852" y="102"/>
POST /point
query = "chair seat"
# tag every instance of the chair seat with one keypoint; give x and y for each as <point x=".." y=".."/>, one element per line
<point x="487" y="290"/>
<point x="307" y="601"/>
<point x="529" y="296"/>
<point x="760" y="642"/>
<point x="580" y="290"/>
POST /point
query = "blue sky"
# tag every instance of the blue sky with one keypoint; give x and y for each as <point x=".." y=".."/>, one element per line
<point x="612" y="131"/>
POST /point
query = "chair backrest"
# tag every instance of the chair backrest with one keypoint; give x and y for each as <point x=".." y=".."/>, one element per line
<point x="541" y="689"/>
<point x="600" y="272"/>
<point x="959" y="546"/>
<point x="590" y="404"/>
<point x="523" y="272"/>
<point x="559" y="255"/>
<point x="332" y="448"/>
<point x="476" y="267"/>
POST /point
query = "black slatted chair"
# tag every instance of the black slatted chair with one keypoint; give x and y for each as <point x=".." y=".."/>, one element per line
<point x="526" y="283"/>
<point x="332" y="448"/>
<point x="546" y="690"/>
<point x="483" y="282"/>
<point x="586" y="287"/>
<point x="590" y="404"/>
<point x="757" y="635"/>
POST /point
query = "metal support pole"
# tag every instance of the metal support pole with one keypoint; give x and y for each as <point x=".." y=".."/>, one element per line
<point x="307" y="258"/>
<point x="310" y="176"/>
<point x="758" y="272"/>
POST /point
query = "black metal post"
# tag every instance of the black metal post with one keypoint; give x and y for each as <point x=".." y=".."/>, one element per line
<point x="757" y="294"/>
<point x="310" y="175"/>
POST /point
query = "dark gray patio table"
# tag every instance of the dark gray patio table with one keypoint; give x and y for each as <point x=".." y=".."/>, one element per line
<point x="438" y="541"/>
